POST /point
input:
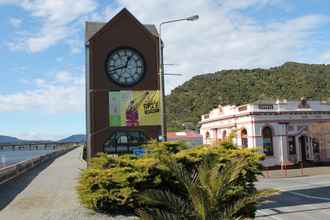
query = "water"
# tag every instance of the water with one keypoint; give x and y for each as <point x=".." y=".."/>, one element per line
<point x="9" y="157"/>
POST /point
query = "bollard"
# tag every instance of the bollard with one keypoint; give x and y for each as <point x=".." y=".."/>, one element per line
<point x="268" y="172"/>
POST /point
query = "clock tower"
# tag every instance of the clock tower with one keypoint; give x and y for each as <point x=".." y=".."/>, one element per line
<point x="122" y="85"/>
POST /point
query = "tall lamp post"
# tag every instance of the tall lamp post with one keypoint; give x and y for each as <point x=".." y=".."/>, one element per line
<point x="161" y="73"/>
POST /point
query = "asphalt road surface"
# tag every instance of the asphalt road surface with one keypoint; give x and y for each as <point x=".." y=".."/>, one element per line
<point x="300" y="198"/>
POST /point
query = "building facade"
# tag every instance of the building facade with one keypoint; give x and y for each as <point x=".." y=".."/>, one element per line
<point x="122" y="84"/>
<point x="287" y="132"/>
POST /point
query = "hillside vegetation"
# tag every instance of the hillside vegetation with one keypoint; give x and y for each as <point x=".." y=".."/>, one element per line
<point x="199" y="95"/>
<point x="8" y="139"/>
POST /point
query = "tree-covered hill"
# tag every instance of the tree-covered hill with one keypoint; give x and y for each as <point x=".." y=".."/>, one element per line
<point x="75" y="138"/>
<point x="199" y="95"/>
<point x="8" y="139"/>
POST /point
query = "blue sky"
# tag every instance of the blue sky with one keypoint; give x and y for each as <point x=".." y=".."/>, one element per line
<point x="42" y="45"/>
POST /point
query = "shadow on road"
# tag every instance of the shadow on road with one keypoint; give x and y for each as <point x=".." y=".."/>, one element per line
<point x="10" y="189"/>
<point x="301" y="197"/>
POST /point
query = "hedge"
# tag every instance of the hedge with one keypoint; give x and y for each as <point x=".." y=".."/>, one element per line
<point x="112" y="184"/>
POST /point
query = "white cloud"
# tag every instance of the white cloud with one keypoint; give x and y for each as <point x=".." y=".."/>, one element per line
<point x="57" y="21"/>
<point x="224" y="37"/>
<point x="325" y="57"/>
<point x="104" y="15"/>
<point x="76" y="45"/>
<point x="40" y="82"/>
<point x="40" y="135"/>
<point x="64" y="76"/>
<point x="15" y="22"/>
<point x="62" y="94"/>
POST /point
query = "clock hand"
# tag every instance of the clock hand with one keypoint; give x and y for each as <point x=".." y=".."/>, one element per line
<point x="118" y="68"/>
<point x="128" y="59"/>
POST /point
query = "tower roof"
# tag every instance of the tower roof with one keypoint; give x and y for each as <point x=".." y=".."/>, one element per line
<point x="92" y="27"/>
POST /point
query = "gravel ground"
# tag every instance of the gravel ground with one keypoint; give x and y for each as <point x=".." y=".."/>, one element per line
<point x="48" y="193"/>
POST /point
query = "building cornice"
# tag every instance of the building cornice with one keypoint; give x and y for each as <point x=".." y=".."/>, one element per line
<point x="239" y="115"/>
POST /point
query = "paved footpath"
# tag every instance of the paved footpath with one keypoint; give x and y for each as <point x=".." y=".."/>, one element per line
<point x="301" y="198"/>
<point x="48" y="193"/>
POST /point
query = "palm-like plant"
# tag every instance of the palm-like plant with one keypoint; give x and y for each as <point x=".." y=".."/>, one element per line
<point x="207" y="189"/>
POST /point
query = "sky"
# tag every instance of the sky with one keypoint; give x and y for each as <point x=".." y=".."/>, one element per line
<point x="42" y="59"/>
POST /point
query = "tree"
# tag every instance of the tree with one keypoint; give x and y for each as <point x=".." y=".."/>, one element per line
<point x="200" y="94"/>
<point x="206" y="190"/>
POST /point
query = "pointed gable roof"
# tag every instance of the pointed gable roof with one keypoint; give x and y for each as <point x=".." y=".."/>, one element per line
<point x="94" y="29"/>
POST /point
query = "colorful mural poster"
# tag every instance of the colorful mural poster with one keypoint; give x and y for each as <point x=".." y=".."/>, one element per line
<point x="134" y="108"/>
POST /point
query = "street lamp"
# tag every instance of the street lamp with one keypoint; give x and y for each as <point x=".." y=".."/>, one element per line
<point x="161" y="73"/>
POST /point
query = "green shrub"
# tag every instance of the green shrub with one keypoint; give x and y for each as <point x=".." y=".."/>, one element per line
<point x="112" y="184"/>
<point x="206" y="188"/>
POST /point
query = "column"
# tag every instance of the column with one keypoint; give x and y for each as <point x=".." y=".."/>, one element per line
<point x="284" y="143"/>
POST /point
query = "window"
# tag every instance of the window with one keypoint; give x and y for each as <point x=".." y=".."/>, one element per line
<point x="224" y="134"/>
<point x="266" y="106"/>
<point x="316" y="146"/>
<point x="242" y="108"/>
<point x="124" y="141"/>
<point x="244" y="138"/>
<point x="292" y="145"/>
<point x="267" y="136"/>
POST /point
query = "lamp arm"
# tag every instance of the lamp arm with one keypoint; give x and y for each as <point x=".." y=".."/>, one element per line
<point x="172" y="21"/>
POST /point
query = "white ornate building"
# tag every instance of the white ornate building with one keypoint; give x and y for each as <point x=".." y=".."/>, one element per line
<point x="286" y="131"/>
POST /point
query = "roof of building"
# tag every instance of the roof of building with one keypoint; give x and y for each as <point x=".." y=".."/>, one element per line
<point x="95" y="28"/>
<point x="183" y="135"/>
<point x="268" y="106"/>
<point x="92" y="27"/>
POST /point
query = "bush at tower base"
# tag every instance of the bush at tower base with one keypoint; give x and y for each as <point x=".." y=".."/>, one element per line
<point x="113" y="184"/>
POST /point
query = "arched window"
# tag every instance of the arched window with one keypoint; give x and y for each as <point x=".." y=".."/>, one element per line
<point x="267" y="137"/>
<point x="244" y="138"/>
<point x="224" y="134"/>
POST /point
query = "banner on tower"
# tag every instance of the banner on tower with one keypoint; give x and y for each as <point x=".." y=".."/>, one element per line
<point x="134" y="108"/>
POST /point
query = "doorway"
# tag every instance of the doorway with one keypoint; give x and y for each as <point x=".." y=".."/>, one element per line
<point x="302" y="143"/>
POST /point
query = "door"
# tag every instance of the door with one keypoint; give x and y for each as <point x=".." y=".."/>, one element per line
<point x="302" y="143"/>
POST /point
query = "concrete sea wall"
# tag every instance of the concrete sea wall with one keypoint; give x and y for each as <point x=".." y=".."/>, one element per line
<point x="12" y="171"/>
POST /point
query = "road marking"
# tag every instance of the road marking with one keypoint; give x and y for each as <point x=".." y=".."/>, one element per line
<point x="294" y="187"/>
<point x="303" y="186"/>
<point x="267" y="215"/>
<point x="309" y="197"/>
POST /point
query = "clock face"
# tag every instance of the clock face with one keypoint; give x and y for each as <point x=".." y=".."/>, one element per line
<point x="125" y="66"/>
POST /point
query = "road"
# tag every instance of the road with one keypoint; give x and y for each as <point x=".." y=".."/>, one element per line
<point x="48" y="193"/>
<point x="301" y="198"/>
